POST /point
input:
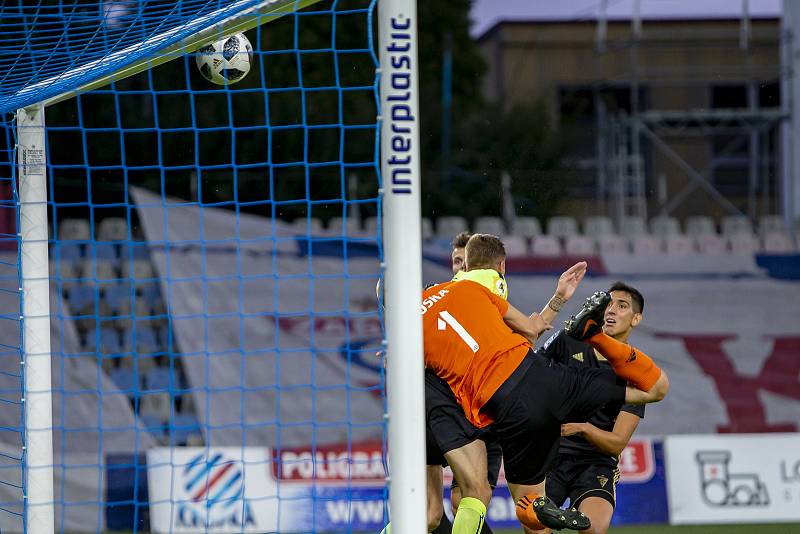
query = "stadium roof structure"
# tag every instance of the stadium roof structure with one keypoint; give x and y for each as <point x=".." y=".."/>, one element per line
<point x="486" y="14"/>
<point x="50" y="50"/>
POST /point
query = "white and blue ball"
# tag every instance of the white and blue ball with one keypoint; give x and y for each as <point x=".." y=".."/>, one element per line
<point x="226" y="61"/>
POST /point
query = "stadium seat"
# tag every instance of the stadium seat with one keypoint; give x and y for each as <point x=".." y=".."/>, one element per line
<point x="182" y="427"/>
<point x="736" y="224"/>
<point x="157" y="378"/>
<point x="125" y="379"/>
<point x="448" y="226"/>
<point x="156" y="404"/>
<point x="664" y="225"/>
<point x="778" y="243"/>
<point x="310" y="225"/>
<point x="645" y="245"/>
<point x="598" y="225"/>
<point x="700" y="225"/>
<point x="153" y="424"/>
<point x="351" y="225"/>
<point x="545" y="245"/>
<point x="137" y="269"/>
<point x="110" y="345"/>
<point x="743" y="243"/>
<point x="69" y="261"/>
<point x="100" y="269"/>
<point x="371" y="226"/>
<point x="611" y="244"/>
<point x="526" y="227"/>
<point x="515" y="246"/>
<point x="771" y="224"/>
<point x="678" y="245"/>
<point x="144" y="342"/>
<point x="81" y="299"/>
<point x="710" y="244"/>
<point x="427" y="229"/>
<point x="489" y="225"/>
<point x="632" y="226"/>
<point x="117" y="298"/>
<point x="579" y="245"/>
<point x="148" y="297"/>
<point x="113" y="229"/>
<point x="562" y="226"/>
<point x="74" y="230"/>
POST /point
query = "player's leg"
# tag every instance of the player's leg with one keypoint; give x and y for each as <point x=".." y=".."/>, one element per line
<point x="469" y="467"/>
<point x="599" y="512"/>
<point x="628" y="362"/>
<point x="594" y="493"/>
<point x="434" y="494"/>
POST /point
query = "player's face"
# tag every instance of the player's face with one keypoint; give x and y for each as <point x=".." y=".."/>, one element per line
<point x="458" y="259"/>
<point x="620" y="317"/>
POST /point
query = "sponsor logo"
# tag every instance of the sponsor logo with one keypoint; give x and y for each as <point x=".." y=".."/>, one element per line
<point x="214" y="490"/>
<point x="637" y="461"/>
<point x="603" y="480"/>
<point x="363" y="463"/>
<point x="400" y="112"/>
<point x="578" y="356"/>
<point x="720" y="487"/>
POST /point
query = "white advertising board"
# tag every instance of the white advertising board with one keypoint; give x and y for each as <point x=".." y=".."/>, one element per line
<point x="746" y="478"/>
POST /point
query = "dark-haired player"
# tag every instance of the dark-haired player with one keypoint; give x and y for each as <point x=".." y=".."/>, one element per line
<point x="586" y="469"/>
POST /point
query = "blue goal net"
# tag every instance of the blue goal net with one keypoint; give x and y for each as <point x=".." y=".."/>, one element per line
<point x="213" y="256"/>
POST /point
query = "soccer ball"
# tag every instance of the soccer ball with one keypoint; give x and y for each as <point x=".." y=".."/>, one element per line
<point x="226" y="61"/>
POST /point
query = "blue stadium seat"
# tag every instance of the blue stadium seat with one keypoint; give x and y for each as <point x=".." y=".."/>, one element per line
<point x="182" y="426"/>
<point x="157" y="378"/>
<point x="125" y="379"/>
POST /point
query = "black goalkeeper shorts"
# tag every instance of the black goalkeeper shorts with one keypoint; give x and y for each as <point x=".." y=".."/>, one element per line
<point x="530" y="406"/>
<point x="579" y="478"/>
<point x="448" y="428"/>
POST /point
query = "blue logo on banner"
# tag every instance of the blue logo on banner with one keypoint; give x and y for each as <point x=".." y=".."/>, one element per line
<point x="214" y="490"/>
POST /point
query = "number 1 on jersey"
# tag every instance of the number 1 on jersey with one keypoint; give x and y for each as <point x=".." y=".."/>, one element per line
<point x="446" y="319"/>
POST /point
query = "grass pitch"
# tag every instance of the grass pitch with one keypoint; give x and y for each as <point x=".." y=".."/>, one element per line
<point x="782" y="528"/>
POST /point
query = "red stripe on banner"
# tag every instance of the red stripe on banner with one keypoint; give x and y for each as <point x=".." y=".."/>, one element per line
<point x="213" y="480"/>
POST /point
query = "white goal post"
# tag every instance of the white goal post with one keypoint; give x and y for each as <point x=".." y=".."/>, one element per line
<point x="401" y="179"/>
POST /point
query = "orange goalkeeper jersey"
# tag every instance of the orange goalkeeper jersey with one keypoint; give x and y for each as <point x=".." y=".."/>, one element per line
<point x="468" y="344"/>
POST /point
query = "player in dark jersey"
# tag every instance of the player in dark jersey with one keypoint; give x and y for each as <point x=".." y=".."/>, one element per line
<point x="586" y="469"/>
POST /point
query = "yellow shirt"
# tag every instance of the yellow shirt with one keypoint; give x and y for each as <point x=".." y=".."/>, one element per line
<point x="488" y="278"/>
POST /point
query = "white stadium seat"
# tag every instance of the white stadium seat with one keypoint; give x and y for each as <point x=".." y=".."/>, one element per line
<point x="335" y="225"/>
<point x="74" y="230"/>
<point x="598" y="225"/>
<point x="742" y="243"/>
<point x="311" y="225"/>
<point x="632" y="226"/>
<point x="700" y="225"/>
<point x="664" y="225"/>
<point x="736" y="224"/>
<point x="526" y="227"/>
<point x="778" y="243"/>
<point x="448" y="227"/>
<point x="770" y="224"/>
<point x="371" y="226"/>
<point x="646" y="245"/>
<point x="489" y="225"/>
<point x="562" y="226"/>
<point x="515" y="246"/>
<point x="678" y="245"/>
<point x="611" y="244"/>
<point x="545" y="245"/>
<point x="579" y="245"/>
<point x="427" y="228"/>
<point x="710" y="244"/>
<point x="113" y="229"/>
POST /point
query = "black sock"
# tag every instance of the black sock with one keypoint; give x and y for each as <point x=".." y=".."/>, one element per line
<point x="445" y="526"/>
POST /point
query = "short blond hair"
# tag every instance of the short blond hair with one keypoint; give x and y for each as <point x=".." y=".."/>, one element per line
<point x="484" y="251"/>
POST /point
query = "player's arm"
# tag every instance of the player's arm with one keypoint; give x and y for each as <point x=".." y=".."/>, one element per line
<point x="567" y="284"/>
<point x="656" y="393"/>
<point x="529" y="326"/>
<point x="611" y="443"/>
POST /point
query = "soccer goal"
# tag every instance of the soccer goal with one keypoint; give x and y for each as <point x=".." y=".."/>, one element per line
<point x="198" y="198"/>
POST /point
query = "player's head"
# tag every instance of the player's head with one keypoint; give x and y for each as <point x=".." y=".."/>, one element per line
<point x="458" y="244"/>
<point x="624" y="312"/>
<point x="485" y="251"/>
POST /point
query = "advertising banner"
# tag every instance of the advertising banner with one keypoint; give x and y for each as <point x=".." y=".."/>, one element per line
<point x="733" y="478"/>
